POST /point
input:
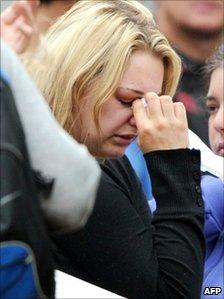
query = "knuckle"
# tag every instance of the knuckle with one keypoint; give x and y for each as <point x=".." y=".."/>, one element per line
<point x="182" y="126"/>
<point x="180" y="105"/>
<point x="146" y="129"/>
<point x="166" y="99"/>
<point x="161" y="124"/>
<point x="151" y="96"/>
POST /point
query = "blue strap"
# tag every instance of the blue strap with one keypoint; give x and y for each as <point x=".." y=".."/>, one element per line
<point x="4" y="76"/>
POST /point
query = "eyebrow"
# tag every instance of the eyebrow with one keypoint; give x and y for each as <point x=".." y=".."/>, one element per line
<point x="136" y="91"/>
<point x="210" y="98"/>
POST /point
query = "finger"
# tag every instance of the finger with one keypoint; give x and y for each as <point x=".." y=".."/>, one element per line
<point x="154" y="106"/>
<point x="26" y="29"/>
<point x="31" y="8"/>
<point x="21" y="44"/>
<point x="140" y="113"/>
<point x="180" y="111"/>
<point x="24" y="9"/>
<point x="17" y="43"/>
<point x="167" y="107"/>
<point x="145" y="105"/>
<point x="9" y="15"/>
<point x="17" y="10"/>
<point x="23" y="27"/>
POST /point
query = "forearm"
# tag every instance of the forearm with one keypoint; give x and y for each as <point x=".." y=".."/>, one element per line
<point x="178" y="221"/>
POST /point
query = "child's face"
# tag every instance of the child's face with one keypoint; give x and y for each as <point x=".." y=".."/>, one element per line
<point x="215" y="106"/>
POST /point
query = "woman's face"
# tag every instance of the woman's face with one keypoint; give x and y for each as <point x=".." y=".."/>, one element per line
<point x="143" y="74"/>
<point x="214" y="103"/>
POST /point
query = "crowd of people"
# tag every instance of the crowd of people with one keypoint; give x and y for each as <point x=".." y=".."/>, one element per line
<point x="80" y="91"/>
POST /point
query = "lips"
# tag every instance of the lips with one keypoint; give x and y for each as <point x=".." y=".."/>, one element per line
<point x="207" y="6"/>
<point x="124" y="139"/>
<point x="221" y="149"/>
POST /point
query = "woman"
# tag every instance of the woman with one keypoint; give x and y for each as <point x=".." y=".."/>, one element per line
<point x="102" y="58"/>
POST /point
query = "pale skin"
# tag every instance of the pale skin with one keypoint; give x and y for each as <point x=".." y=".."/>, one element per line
<point x="24" y="21"/>
<point x="215" y="107"/>
<point x="162" y="126"/>
<point x="18" y="24"/>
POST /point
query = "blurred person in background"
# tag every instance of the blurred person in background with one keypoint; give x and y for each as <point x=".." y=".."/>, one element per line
<point x="194" y="28"/>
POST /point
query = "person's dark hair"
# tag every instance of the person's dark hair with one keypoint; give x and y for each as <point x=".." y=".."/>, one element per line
<point x="46" y="1"/>
<point x="212" y="64"/>
<point x="215" y="61"/>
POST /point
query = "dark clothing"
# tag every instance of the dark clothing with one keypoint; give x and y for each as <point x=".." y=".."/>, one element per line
<point x="123" y="250"/>
<point x="22" y="223"/>
<point x="191" y="92"/>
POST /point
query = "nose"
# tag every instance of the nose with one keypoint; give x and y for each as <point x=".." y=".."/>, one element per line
<point x="132" y="121"/>
<point x="219" y="121"/>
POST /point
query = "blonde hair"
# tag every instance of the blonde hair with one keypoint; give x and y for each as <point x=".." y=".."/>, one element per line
<point x="90" y="46"/>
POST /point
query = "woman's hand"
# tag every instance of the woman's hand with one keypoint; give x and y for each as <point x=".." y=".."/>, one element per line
<point x="162" y="124"/>
<point x="18" y="24"/>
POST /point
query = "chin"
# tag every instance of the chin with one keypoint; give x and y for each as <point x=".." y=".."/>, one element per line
<point x="203" y="29"/>
<point x="217" y="151"/>
<point x="209" y="29"/>
<point x="220" y="152"/>
<point x="111" y="153"/>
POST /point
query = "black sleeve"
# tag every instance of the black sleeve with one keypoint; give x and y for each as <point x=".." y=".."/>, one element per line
<point x="122" y="250"/>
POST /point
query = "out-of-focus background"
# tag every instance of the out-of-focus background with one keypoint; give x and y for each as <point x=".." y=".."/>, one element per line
<point x="5" y="3"/>
<point x="147" y="3"/>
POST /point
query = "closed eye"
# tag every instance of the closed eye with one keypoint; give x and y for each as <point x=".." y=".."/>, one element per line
<point x="125" y="102"/>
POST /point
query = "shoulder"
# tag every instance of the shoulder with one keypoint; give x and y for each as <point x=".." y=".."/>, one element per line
<point x="119" y="173"/>
<point x="213" y="195"/>
<point x="118" y="169"/>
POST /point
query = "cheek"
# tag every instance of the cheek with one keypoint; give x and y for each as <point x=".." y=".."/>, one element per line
<point x="211" y="131"/>
<point x="113" y="118"/>
<point x="112" y="122"/>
